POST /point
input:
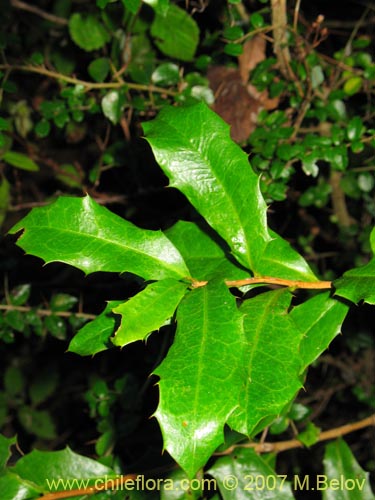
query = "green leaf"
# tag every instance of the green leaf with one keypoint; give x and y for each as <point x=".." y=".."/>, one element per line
<point x="309" y="164"/>
<point x="20" y="161"/>
<point x="20" y="294"/>
<point x="280" y="259"/>
<point x="80" y="232"/>
<point x="99" y="68"/>
<point x="175" y="33"/>
<point x="317" y="76"/>
<point x="174" y="487"/>
<point x="15" y="319"/>
<point x="270" y="361"/>
<point x="201" y="376"/>
<point x="55" y="326"/>
<point x="310" y="435"/>
<point x="43" y="385"/>
<point x="112" y="105"/>
<point x="87" y="32"/>
<point x="358" y="283"/>
<point x="204" y="257"/>
<point x="355" y="129"/>
<point x="339" y="159"/>
<point x="5" y="453"/>
<point x="319" y="320"/>
<point x="70" y="175"/>
<point x="14" y="381"/>
<point x="344" y="479"/>
<point x="256" y="20"/>
<point x="193" y="147"/>
<point x="13" y="488"/>
<point x="5" y="125"/>
<point x="62" y="302"/>
<point x="94" y="337"/>
<point x="233" y="32"/>
<point x="159" y="6"/>
<point x="233" y="49"/>
<point x="148" y="310"/>
<point x="366" y="182"/>
<point x="245" y="475"/>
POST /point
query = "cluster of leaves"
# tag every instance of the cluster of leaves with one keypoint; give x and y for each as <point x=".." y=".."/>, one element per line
<point x="239" y="355"/>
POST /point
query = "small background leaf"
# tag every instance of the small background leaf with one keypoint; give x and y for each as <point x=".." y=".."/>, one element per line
<point x="175" y="33"/>
<point x="80" y="232"/>
<point x="94" y="337"/>
<point x="270" y="361"/>
<point x="20" y="161"/>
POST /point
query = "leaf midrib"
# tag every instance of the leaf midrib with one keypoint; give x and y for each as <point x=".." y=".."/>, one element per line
<point x="106" y="241"/>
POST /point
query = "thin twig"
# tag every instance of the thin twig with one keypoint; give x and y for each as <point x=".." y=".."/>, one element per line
<point x="40" y="70"/>
<point x="46" y="312"/>
<point x="295" y="443"/>
<point x="267" y="280"/>
<point x="296" y="13"/>
<point x="17" y="4"/>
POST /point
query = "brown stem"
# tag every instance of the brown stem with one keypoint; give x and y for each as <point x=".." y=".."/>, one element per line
<point x="45" y="312"/>
<point x="267" y="280"/>
<point x="295" y="443"/>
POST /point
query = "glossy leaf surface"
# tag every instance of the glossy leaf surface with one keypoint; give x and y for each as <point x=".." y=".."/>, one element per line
<point x="5" y="444"/>
<point x="359" y="283"/>
<point x="94" y="336"/>
<point x="175" y="33"/>
<point x="270" y="360"/>
<point x="193" y="147"/>
<point x="319" y="319"/>
<point x="148" y="310"/>
<point x="344" y="479"/>
<point x="80" y="232"/>
<point x="244" y="475"/>
<point x="201" y="376"/>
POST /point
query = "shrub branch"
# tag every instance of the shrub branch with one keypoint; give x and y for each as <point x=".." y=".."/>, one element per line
<point x="279" y="446"/>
